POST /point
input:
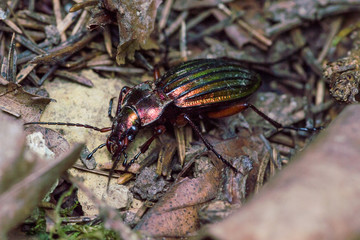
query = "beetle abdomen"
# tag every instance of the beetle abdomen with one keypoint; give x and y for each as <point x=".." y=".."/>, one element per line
<point x="206" y="82"/>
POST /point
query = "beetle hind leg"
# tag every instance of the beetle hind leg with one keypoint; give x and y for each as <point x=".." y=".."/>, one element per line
<point x="278" y="125"/>
<point x="243" y="106"/>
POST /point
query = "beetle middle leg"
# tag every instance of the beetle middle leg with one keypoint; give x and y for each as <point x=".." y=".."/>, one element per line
<point x="208" y="145"/>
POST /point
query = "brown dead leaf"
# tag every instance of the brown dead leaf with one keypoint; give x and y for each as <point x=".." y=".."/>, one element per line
<point x="245" y="152"/>
<point x="176" y="214"/>
<point x="20" y="199"/>
<point x="19" y="103"/>
<point x="135" y="20"/>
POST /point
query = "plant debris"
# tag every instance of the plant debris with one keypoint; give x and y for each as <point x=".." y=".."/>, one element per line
<point x="34" y="176"/>
<point x="62" y="61"/>
<point x="21" y="104"/>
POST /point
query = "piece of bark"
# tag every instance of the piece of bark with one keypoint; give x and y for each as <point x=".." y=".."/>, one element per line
<point x="316" y="197"/>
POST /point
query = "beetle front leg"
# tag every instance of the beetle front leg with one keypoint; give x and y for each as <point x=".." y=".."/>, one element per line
<point x="158" y="131"/>
<point x="122" y="94"/>
<point x="208" y="145"/>
<point x="110" y="109"/>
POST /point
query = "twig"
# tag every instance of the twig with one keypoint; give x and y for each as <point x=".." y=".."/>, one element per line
<point x="247" y="27"/>
<point x="174" y="26"/>
<point x="183" y="41"/>
<point x="165" y="14"/>
<point x="81" y="22"/>
<point x="58" y="17"/>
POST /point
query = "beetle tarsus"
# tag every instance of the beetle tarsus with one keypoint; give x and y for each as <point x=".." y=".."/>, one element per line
<point x="89" y="156"/>
<point x="125" y="159"/>
<point x="132" y="160"/>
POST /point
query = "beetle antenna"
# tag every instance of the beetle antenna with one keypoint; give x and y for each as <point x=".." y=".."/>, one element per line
<point x="106" y="129"/>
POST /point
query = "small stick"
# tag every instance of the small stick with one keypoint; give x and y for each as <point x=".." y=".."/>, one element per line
<point x="247" y="27"/>
<point x="107" y="40"/>
<point x="165" y="14"/>
<point x="81" y="22"/>
<point x="58" y="17"/>
<point x="174" y="26"/>
<point x="183" y="41"/>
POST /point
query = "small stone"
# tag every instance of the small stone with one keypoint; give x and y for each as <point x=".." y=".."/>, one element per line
<point x="118" y="196"/>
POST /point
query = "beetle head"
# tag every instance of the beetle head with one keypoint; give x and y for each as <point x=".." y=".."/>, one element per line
<point x="125" y="127"/>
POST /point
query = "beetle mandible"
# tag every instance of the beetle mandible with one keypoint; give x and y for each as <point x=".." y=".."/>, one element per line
<point x="211" y="87"/>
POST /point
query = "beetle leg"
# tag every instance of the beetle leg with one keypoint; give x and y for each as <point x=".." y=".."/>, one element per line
<point x="158" y="131"/>
<point x="110" y="109"/>
<point x="122" y="94"/>
<point x="242" y="106"/>
<point x="208" y="145"/>
<point x="277" y="125"/>
<point x="125" y="159"/>
<point x="93" y="151"/>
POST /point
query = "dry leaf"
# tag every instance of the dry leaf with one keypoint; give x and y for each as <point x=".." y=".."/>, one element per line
<point x="176" y="214"/>
<point x="12" y="141"/>
<point x="135" y="20"/>
<point x="19" y="103"/>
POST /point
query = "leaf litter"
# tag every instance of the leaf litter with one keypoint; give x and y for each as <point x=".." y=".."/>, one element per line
<point x="125" y="31"/>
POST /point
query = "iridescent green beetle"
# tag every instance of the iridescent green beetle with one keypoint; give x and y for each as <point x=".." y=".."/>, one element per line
<point x="211" y="87"/>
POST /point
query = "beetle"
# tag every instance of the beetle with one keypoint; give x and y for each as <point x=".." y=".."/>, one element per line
<point x="212" y="87"/>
